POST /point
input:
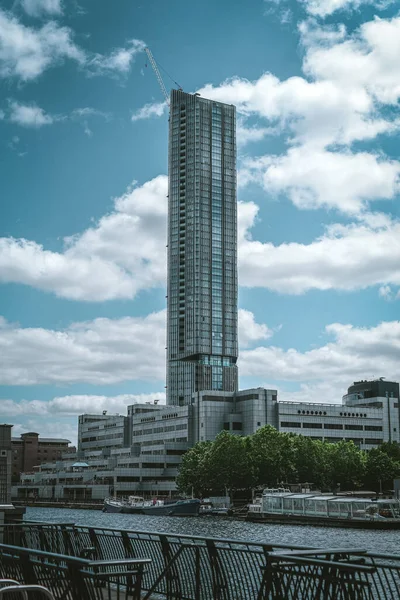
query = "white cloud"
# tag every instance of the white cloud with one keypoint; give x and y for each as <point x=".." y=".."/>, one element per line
<point x="354" y="353"/>
<point x="36" y="8"/>
<point x="364" y="61"/>
<point x="26" y="52"/>
<point x="346" y="257"/>
<point x="245" y="135"/>
<point x="123" y="253"/>
<point x="318" y="111"/>
<point x="150" y="110"/>
<point x="349" y="79"/>
<point x="249" y="330"/>
<point x="76" y="404"/>
<point x="29" y="115"/>
<point x="324" y="8"/>
<point x="119" y="61"/>
<point x="102" y="351"/>
<point x="315" y="178"/>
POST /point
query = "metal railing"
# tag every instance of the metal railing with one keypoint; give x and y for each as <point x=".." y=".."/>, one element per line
<point x="73" y="578"/>
<point x="198" y="568"/>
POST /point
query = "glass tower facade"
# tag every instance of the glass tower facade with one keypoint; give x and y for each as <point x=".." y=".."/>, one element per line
<point x="202" y="248"/>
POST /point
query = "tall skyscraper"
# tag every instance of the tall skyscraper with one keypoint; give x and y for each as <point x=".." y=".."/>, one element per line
<point x="202" y="343"/>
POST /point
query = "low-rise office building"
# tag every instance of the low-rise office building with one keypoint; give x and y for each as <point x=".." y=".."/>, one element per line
<point x="96" y="432"/>
<point x="368" y="416"/>
<point x="144" y="457"/>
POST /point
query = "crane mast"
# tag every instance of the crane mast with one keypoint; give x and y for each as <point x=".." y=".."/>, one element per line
<point x="158" y="75"/>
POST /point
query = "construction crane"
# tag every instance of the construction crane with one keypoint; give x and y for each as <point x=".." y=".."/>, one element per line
<point x="158" y="74"/>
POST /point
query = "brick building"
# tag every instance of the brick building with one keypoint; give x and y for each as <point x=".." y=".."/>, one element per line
<point x="30" y="450"/>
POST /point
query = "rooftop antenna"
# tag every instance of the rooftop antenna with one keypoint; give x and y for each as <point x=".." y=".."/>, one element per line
<point x="158" y="74"/>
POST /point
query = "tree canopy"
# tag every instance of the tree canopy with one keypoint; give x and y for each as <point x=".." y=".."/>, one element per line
<point x="270" y="458"/>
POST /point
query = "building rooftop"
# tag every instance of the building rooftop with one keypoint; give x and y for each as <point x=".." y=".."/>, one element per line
<point x="45" y="440"/>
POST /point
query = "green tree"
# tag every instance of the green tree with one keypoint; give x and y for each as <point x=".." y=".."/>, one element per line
<point x="311" y="461"/>
<point x="193" y="476"/>
<point x="392" y="449"/>
<point x="272" y="455"/>
<point x="229" y="461"/>
<point x="346" y="465"/>
<point x="380" y="470"/>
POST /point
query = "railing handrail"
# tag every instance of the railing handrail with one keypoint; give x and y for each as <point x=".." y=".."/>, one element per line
<point x="73" y="559"/>
<point x="263" y="545"/>
<point x="169" y="534"/>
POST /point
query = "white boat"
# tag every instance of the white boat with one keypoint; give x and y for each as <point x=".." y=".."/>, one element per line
<point x="281" y="505"/>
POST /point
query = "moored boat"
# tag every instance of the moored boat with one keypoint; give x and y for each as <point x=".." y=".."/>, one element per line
<point x="140" y="506"/>
<point x="282" y="506"/>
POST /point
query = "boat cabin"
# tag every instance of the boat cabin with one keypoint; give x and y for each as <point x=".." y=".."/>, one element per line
<point x="277" y="501"/>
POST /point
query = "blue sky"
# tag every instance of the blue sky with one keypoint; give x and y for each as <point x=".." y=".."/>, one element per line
<point x="83" y="164"/>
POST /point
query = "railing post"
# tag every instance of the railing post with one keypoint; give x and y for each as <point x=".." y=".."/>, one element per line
<point x="27" y="570"/>
<point x="78" y="584"/>
<point x="172" y="575"/>
<point x="126" y="542"/>
<point x="95" y="543"/>
<point x="219" y="583"/>
<point x="198" y="573"/>
<point x="69" y="550"/>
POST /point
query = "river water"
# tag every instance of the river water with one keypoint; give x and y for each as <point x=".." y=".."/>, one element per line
<point x="217" y="527"/>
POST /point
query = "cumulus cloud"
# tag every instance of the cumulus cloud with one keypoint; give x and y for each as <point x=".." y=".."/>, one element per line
<point x="123" y="253"/>
<point x="119" y="61"/>
<point x="150" y="110"/>
<point x="77" y="404"/>
<point x="249" y="330"/>
<point x="325" y="8"/>
<point x="354" y="353"/>
<point x="29" y="115"/>
<point x="346" y="257"/>
<point x="349" y="80"/>
<point x="105" y="350"/>
<point x="26" y="52"/>
<point x="102" y="351"/>
<point x="37" y="8"/>
<point x="364" y="61"/>
<point x="318" y="178"/>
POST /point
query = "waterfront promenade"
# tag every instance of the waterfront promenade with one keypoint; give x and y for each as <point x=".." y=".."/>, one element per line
<point x="190" y="567"/>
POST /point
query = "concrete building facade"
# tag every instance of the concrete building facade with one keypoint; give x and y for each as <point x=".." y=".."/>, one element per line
<point x="97" y="432"/>
<point x="369" y="415"/>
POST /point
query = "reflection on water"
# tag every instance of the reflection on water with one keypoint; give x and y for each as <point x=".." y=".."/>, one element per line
<point x="377" y="541"/>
